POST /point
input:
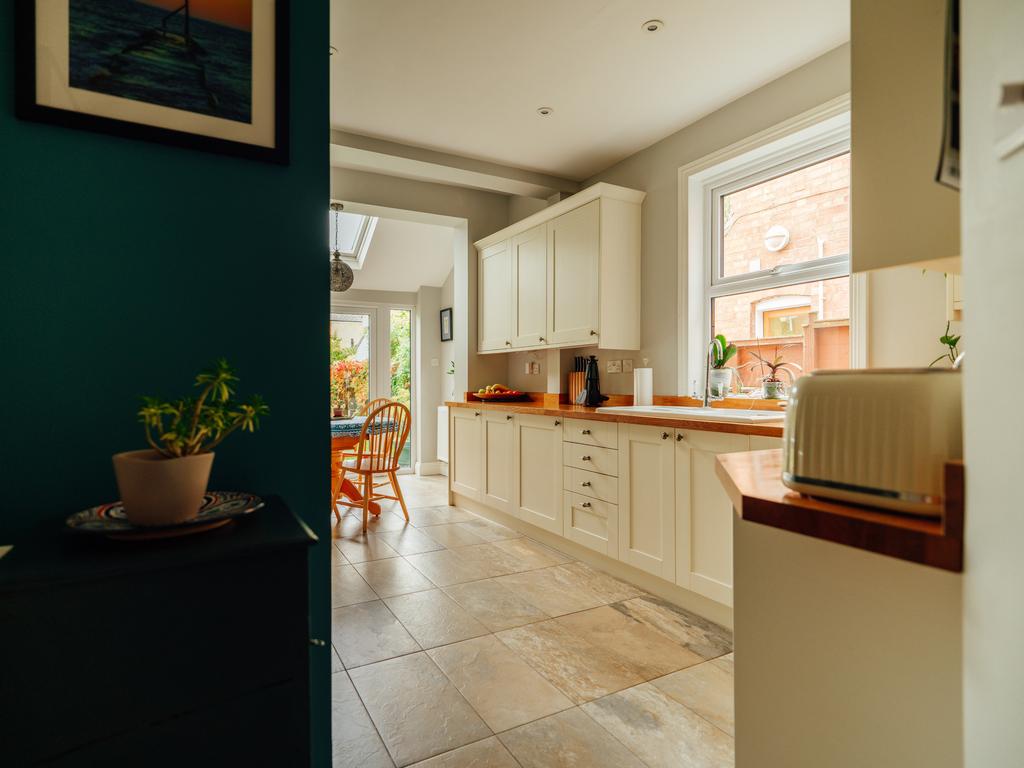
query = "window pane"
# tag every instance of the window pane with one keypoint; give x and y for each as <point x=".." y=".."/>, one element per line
<point x="350" y="362"/>
<point x="401" y="369"/>
<point x="801" y="216"/>
<point x="350" y="225"/>
<point x="808" y="324"/>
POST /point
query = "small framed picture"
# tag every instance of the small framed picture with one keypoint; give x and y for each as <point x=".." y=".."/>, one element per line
<point x="202" y="74"/>
<point x="446" y="324"/>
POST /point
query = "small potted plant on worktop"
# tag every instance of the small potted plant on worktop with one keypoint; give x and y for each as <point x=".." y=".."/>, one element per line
<point x="165" y="483"/>
<point x="952" y="345"/>
<point x="720" y="377"/>
<point x="772" y="386"/>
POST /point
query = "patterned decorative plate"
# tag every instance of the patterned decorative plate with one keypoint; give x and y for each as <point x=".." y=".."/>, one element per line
<point x="218" y="508"/>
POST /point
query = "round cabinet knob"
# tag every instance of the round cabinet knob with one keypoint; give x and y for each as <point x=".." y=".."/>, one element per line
<point x="593" y="333"/>
<point x="557" y="422"/>
<point x="585" y="432"/>
<point x="664" y="435"/>
<point x="679" y="437"/>
<point x="477" y="413"/>
<point x="541" y="339"/>
<point x="508" y="343"/>
<point x="585" y="504"/>
<point x="584" y="458"/>
<point x="585" y="484"/>
<point x="508" y="418"/>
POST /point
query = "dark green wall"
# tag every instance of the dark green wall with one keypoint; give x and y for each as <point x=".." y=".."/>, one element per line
<point x="127" y="266"/>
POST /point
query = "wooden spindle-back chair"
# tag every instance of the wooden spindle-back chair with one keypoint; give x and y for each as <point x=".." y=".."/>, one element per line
<point x="384" y="435"/>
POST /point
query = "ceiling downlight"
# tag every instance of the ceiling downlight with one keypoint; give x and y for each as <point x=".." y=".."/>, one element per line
<point x="545" y="111"/>
<point x="652" y="25"/>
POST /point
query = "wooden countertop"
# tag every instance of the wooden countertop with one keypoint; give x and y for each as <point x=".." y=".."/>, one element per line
<point x="753" y="481"/>
<point x="568" y="411"/>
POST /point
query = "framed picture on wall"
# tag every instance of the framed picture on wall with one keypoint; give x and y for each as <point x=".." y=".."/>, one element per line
<point x="446" y="324"/>
<point x="203" y="74"/>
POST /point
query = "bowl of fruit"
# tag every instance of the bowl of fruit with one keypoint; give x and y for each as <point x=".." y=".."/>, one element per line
<point x="499" y="392"/>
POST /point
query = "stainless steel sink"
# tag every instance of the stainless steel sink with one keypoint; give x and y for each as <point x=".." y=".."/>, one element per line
<point x="698" y="413"/>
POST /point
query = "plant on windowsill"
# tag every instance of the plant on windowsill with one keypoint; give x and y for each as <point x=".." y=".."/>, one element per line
<point x="165" y="484"/>
<point x="952" y="345"/>
<point x="772" y="386"/>
<point x="720" y="377"/>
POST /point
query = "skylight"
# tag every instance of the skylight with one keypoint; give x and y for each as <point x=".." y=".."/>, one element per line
<point x="355" y="231"/>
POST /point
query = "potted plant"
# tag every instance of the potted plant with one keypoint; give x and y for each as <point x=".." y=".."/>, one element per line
<point x="451" y="380"/>
<point x="772" y="386"/>
<point x="165" y="484"/>
<point x="952" y="345"/>
<point x="720" y="377"/>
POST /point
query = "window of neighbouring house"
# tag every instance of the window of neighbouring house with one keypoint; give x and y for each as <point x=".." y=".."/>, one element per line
<point x="775" y="255"/>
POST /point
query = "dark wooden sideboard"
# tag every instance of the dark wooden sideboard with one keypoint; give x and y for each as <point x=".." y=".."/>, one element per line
<point x="187" y="652"/>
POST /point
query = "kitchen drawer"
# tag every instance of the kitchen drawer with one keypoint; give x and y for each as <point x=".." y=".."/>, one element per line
<point x="591" y="457"/>
<point x="592" y="484"/>
<point x="604" y="434"/>
<point x="591" y="522"/>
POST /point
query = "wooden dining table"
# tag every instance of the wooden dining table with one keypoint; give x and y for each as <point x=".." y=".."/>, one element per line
<point x="345" y="437"/>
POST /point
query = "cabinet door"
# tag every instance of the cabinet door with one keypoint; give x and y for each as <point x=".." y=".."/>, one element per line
<point x="704" y="514"/>
<point x="498" y="439"/>
<point x="466" y="466"/>
<point x="529" y="287"/>
<point x="573" y="260"/>
<point x="494" y="297"/>
<point x="538" y="471"/>
<point x="646" y="499"/>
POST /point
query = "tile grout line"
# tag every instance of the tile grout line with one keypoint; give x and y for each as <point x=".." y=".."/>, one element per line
<point x="368" y="717"/>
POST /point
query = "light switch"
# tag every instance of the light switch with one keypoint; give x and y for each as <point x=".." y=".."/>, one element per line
<point x="614" y="366"/>
<point x="434" y="362"/>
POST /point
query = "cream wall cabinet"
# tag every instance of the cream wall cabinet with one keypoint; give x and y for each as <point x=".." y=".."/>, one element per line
<point x="567" y="276"/>
<point x="529" y="305"/>
<point x="538" y="471"/>
<point x="647" y="499"/>
<point x="495" y="275"/>
<point x="497" y="449"/>
<point x="704" y="513"/>
<point x="466" y="464"/>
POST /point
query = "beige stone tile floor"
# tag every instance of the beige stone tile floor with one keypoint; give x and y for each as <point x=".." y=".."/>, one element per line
<point x="460" y="643"/>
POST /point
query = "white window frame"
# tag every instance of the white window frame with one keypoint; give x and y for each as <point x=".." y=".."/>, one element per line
<point x="806" y="139"/>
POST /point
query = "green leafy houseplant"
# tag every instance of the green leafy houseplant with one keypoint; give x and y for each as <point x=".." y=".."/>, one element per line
<point x="952" y="345"/>
<point x="194" y="425"/>
<point x="721" y="352"/>
<point x="772" y="384"/>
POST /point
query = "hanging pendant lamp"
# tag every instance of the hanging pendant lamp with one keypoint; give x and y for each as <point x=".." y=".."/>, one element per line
<point x="341" y="273"/>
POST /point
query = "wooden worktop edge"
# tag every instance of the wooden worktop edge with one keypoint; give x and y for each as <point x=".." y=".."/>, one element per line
<point x="753" y="483"/>
<point x="582" y="412"/>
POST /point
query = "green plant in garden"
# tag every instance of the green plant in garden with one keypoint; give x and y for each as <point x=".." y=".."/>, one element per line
<point x="401" y="356"/>
<point x="188" y="426"/>
<point x="951" y="343"/>
<point x="721" y="351"/>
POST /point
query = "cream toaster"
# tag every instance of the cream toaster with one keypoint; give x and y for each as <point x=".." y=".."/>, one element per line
<point x="875" y="437"/>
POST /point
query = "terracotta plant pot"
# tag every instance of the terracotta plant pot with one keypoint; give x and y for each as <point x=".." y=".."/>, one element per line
<point x="159" y="491"/>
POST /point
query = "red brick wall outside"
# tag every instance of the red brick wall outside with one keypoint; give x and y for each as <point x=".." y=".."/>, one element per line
<point x="813" y="204"/>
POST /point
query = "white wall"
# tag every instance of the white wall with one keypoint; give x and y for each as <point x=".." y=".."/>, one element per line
<point x="429" y="364"/>
<point x="483" y="214"/>
<point x="993" y="261"/>
<point x="906" y="316"/>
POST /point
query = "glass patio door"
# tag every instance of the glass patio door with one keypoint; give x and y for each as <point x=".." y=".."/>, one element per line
<point x="371" y="357"/>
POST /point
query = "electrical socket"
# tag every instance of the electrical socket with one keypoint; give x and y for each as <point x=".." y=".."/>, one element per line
<point x="614" y="366"/>
<point x="627" y="365"/>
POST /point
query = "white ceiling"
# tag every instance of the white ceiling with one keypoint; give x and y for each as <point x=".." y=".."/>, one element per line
<point x="467" y="76"/>
<point x="404" y="255"/>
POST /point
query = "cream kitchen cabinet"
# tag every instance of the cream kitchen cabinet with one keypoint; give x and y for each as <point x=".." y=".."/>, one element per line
<point x="466" y="462"/>
<point x="495" y="299"/>
<point x="537" y="469"/>
<point x="529" y="305"/>
<point x="704" y="513"/>
<point x="567" y="276"/>
<point x="647" y="490"/>
<point x="497" y="441"/>
<point x="573" y="263"/>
